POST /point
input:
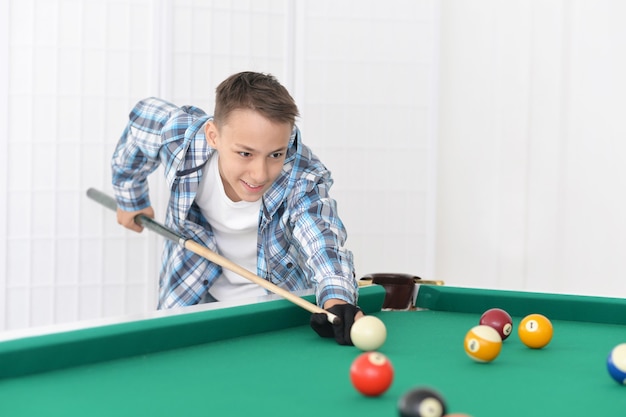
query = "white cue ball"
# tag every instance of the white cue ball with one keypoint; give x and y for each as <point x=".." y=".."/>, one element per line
<point x="368" y="333"/>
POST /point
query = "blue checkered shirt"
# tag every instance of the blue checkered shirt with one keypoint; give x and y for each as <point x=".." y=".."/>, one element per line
<point x="300" y="239"/>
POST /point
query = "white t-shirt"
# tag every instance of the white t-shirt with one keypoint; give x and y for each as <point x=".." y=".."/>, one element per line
<point x="235" y="225"/>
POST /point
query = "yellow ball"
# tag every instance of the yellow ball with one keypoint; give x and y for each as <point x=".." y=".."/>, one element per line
<point x="483" y="343"/>
<point x="535" y="331"/>
<point x="368" y="333"/>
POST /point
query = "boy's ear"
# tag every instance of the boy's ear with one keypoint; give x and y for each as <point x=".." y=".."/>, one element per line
<point x="210" y="133"/>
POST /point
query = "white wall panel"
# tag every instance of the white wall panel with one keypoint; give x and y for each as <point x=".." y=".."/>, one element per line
<point x="366" y="93"/>
<point x="595" y="214"/>
<point x="547" y="135"/>
<point x="69" y="67"/>
<point x="4" y="151"/>
<point x="18" y="307"/>
<point x="66" y="303"/>
<point x="531" y="146"/>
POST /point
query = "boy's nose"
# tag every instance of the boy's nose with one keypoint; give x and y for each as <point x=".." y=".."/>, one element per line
<point x="259" y="172"/>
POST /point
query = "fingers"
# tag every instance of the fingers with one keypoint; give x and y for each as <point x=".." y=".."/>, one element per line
<point x="320" y="324"/>
<point x="127" y="218"/>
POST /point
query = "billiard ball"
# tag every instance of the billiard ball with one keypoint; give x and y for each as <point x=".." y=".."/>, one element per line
<point x="535" y="331"/>
<point x="368" y="333"/>
<point x="499" y="320"/>
<point x="371" y="373"/>
<point x="483" y="343"/>
<point x="421" y="402"/>
<point x="616" y="363"/>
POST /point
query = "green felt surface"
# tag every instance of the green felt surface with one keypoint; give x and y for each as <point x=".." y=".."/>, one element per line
<point x="292" y="372"/>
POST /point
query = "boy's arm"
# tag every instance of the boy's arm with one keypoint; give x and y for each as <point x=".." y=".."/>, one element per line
<point x="333" y="302"/>
<point x="137" y="155"/>
<point x="322" y="236"/>
<point x="330" y="263"/>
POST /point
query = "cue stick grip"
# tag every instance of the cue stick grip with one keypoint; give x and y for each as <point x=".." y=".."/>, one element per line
<point x="143" y="220"/>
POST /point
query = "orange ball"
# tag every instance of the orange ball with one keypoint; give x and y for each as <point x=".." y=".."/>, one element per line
<point x="483" y="343"/>
<point x="535" y="331"/>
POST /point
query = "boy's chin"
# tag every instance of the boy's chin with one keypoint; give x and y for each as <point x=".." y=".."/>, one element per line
<point x="250" y="198"/>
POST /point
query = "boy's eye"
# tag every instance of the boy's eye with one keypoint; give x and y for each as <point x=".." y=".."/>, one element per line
<point x="276" y="155"/>
<point x="245" y="154"/>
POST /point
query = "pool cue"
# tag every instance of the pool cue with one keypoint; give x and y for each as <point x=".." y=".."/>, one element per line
<point x="151" y="224"/>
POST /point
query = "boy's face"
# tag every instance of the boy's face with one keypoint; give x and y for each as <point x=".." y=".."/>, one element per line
<point x="252" y="152"/>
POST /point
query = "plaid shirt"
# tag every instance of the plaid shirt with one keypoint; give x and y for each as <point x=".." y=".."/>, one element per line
<point x="300" y="239"/>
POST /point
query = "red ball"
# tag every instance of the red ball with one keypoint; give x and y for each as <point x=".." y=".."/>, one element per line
<point x="499" y="319"/>
<point x="371" y="373"/>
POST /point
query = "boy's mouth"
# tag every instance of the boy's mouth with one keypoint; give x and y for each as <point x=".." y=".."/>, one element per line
<point x="252" y="186"/>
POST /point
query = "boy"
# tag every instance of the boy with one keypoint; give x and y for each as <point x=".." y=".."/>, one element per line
<point x="242" y="184"/>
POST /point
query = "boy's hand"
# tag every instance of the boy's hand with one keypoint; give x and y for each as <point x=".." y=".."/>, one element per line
<point x="347" y="313"/>
<point x="127" y="218"/>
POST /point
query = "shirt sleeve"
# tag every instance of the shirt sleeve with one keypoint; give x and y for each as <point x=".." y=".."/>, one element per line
<point x="137" y="152"/>
<point x="323" y="235"/>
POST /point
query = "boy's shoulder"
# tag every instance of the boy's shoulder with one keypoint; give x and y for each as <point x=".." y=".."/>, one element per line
<point x="152" y="108"/>
<point x="159" y="110"/>
<point x="307" y="160"/>
<point x="156" y="114"/>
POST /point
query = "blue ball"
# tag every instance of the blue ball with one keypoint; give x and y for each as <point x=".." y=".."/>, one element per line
<point x="616" y="363"/>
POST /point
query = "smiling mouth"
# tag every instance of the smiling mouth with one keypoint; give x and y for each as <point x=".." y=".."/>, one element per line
<point x="251" y="186"/>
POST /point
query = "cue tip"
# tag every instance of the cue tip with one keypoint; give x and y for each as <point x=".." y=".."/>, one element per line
<point x="333" y="319"/>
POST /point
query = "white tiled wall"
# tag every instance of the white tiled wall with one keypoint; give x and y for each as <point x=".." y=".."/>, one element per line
<point x="531" y="175"/>
<point x="368" y="111"/>
<point x="4" y="122"/>
<point x="362" y="72"/>
<point x="74" y="68"/>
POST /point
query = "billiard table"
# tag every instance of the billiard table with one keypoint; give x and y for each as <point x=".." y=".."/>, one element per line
<point x="264" y="360"/>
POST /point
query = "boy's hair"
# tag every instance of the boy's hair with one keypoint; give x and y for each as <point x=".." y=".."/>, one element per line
<point x="255" y="91"/>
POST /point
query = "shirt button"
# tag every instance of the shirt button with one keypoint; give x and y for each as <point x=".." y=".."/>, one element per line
<point x="289" y="265"/>
<point x="205" y="282"/>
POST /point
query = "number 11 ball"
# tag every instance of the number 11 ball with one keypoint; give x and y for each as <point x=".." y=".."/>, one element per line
<point x="499" y="320"/>
<point x="616" y="363"/>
